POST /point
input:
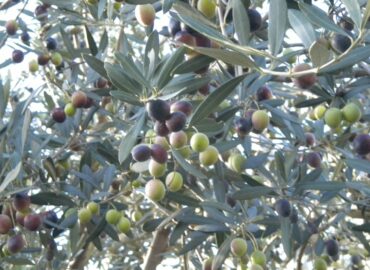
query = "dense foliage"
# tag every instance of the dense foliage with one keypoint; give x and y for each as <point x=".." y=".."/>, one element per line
<point x="236" y="136"/>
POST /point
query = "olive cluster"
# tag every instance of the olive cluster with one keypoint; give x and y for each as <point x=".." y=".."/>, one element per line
<point x="18" y="217"/>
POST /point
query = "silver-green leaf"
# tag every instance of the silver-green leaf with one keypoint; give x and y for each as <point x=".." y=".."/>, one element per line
<point x="277" y="25"/>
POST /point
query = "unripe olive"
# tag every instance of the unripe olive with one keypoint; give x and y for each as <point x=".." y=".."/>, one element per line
<point x="69" y="110"/>
<point x="112" y="216"/>
<point x="236" y="162"/>
<point x="157" y="169"/>
<point x="292" y="59"/>
<point x="258" y="257"/>
<point x="33" y="66"/>
<point x="4" y="251"/>
<point x="260" y="120"/>
<point x="199" y="142"/>
<point x="56" y="59"/>
<point x="209" y="156"/>
<point x="185" y="151"/>
<point x="312" y="115"/>
<point x="145" y="14"/>
<point x="150" y="136"/>
<point x="351" y="112"/>
<point x="320" y="264"/>
<point x="319" y="111"/>
<point x="207" y="7"/>
<point x="137" y="215"/>
<point x="93" y="207"/>
<point x="124" y="225"/>
<point x="117" y="6"/>
<point x="84" y="215"/>
<point x="174" y="181"/>
<point x="155" y="190"/>
<point x="333" y="117"/>
<point x="136" y="183"/>
<point x="255" y="267"/>
<point x="238" y="247"/>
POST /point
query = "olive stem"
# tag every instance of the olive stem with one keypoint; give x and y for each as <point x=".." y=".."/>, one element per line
<point x="221" y="16"/>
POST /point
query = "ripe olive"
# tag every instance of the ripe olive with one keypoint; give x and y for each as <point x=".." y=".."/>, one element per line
<point x="304" y="81"/>
<point x="283" y="208"/>
<point x="361" y="144"/>
<point x="141" y="152"/>
<point x="158" y="110"/>
<point x="5" y="224"/>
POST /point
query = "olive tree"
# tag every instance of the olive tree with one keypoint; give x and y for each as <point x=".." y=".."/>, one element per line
<point x="205" y="134"/>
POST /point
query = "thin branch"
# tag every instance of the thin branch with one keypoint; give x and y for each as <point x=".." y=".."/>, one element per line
<point x="300" y="256"/>
<point x="159" y="245"/>
<point x="80" y="261"/>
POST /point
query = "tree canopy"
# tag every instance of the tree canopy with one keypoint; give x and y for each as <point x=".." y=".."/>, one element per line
<point x="206" y="134"/>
